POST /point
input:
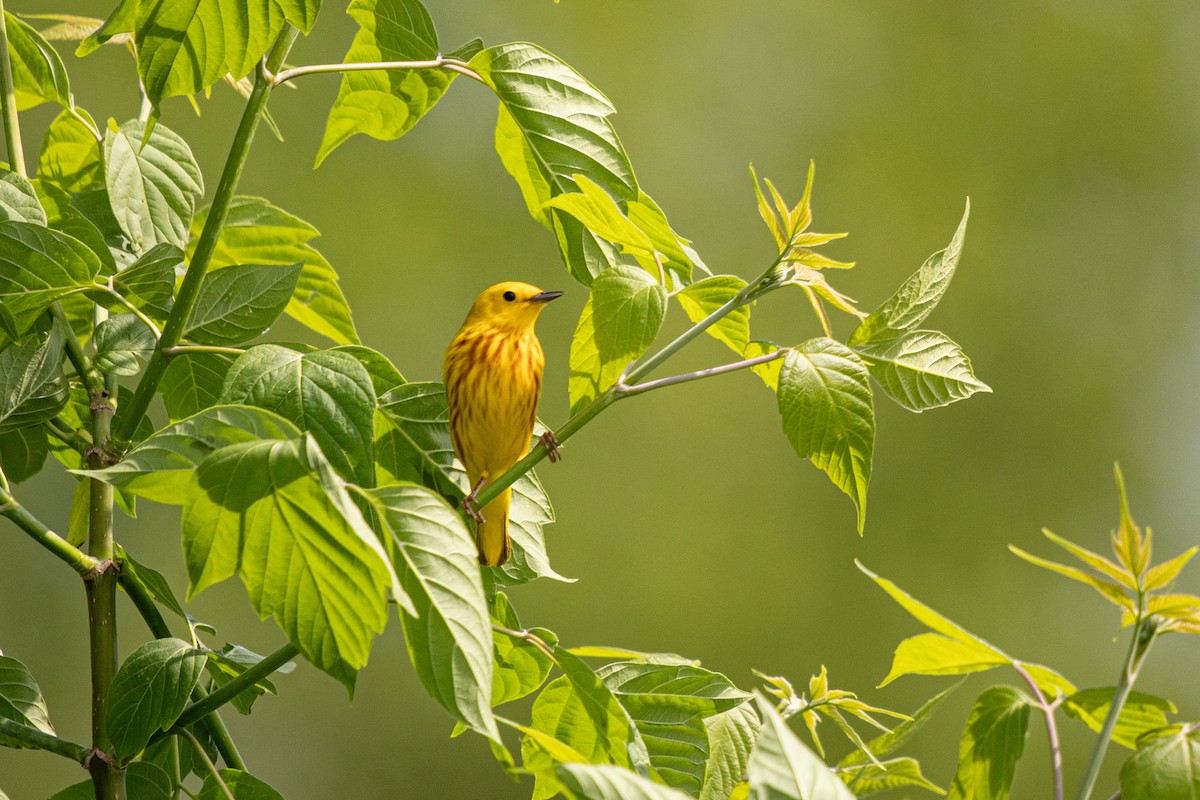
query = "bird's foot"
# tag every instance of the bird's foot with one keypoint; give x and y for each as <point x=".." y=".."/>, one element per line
<point x="468" y="502"/>
<point x="553" y="449"/>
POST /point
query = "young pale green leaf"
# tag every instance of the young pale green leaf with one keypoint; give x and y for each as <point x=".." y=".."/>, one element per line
<point x="1162" y="574"/>
<point x="386" y="104"/>
<point x="991" y="745"/>
<point x="37" y="267"/>
<point x="782" y="768"/>
<point x="448" y="628"/>
<point x="1108" y="590"/>
<point x="670" y="693"/>
<point x="731" y="738"/>
<point x="70" y="154"/>
<point x="621" y="319"/>
<point x="242" y="785"/>
<point x="239" y="303"/>
<point x="677" y="255"/>
<point x="896" y="773"/>
<point x="769" y="371"/>
<point x="150" y="691"/>
<point x="921" y="370"/>
<point x="1094" y="560"/>
<point x="232" y="660"/>
<point x="123" y="345"/>
<point x="31" y="374"/>
<point x="21" y="699"/>
<point x="257" y="232"/>
<point x="275" y="512"/>
<point x="597" y="210"/>
<point x="519" y="666"/>
<point x="1166" y="769"/>
<point x="884" y="745"/>
<point x="327" y="393"/>
<point x="149" y="282"/>
<point x="1141" y="713"/>
<point x="704" y="297"/>
<point x="934" y="654"/>
<point x="917" y="296"/>
<point x="160" y="468"/>
<point x="825" y="405"/>
<point x="153" y="187"/>
<point x="22" y="453"/>
<point x="413" y="444"/>
<point x="603" y="782"/>
<point x="193" y="383"/>
<point x="18" y="200"/>
<point x="38" y="73"/>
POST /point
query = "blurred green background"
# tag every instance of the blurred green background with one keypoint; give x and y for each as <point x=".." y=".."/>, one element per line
<point x="691" y="525"/>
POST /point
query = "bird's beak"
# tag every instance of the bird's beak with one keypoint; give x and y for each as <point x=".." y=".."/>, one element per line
<point x="545" y="297"/>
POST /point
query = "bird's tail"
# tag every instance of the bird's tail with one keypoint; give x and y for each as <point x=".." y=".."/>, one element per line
<point x="491" y="535"/>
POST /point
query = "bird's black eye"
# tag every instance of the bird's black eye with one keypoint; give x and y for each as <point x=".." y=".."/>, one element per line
<point x="510" y="296"/>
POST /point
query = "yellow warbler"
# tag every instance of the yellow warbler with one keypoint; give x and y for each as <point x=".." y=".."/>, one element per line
<point x="493" y="375"/>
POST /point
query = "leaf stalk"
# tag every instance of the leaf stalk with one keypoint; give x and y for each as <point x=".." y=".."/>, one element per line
<point x="40" y="740"/>
<point x="12" y="127"/>
<point x="37" y="530"/>
<point x="1048" y="710"/>
<point x="441" y="62"/>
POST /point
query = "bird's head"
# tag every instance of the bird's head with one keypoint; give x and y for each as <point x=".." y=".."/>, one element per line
<point x="511" y="304"/>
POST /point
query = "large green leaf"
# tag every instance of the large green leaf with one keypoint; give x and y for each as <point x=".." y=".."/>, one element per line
<point x="1166" y="769"/>
<point x="921" y="369"/>
<point x="275" y="512"/>
<point x="603" y="782"/>
<point x="825" y="404"/>
<point x="38" y="73"/>
<point x="386" y="104"/>
<point x="150" y="691"/>
<point x="448" y="628"/>
<point x="257" y="232"/>
<point x="991" y="745"/>
<point x="123" y="344"/>
<point x="193" y="383"/>
<point x="325" y="392"/>
<point x="31" y="374"/>
<point x="917" y="296"/>
<point x="153" y="187"/>
<point x="670" y="693"/>
<point x="935" y="654"/>
<point x="62" y="216"/>
<point x="731" y="738"/>
<point x="239" y="303"/>
<point x="1140" y="713"/>
<point x="149" y="282"/>
<point x="783" y="768"/>
<point x="70" y="154"/>
<point x="21" y="699"/>
<point x="143" y="781"/>
<point x="620" y="320"/>
<point x="870" y="779"/>
<point x="520" y="666"/>
<point x="22" y="453"/>
<point x="37" y="267"/>
<point x="242" y="785"/>
<point x="18" y="200"/>
<point x="704" y="297"/>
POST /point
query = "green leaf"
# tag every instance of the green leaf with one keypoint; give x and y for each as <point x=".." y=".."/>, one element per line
<point x="123" y="345"/>
<point x="731" y="738"/>
<point x="1141" y="713"/>
<point x="769" y="372"/>
<point x="22" y="453"/>
<point x="678" y="752"/>
<point x="257" y="232"/>
<point x="1166" y="769"/>
<point x="519" y="667"/>
<point x="991" y="745"/>
<point x="239" y="303"/>
<point x="94" y="205"/>
<point x="783" y="768"/>
<point x="149" y="579"/>
<point x="1108" y="589"/>
<point x="704" y="297"/>
<point x="384" y="375"/>
<point x="597" y="210"/>
<point x="37" y="267"/>
<point x="620" y="320"/>
<point x="242" y="785"/>
<point x="934" y="654"/>
<point x="386" y="104"/>
<point x="21" y="699"/>
<point x="149" y="282"/>
<point x="153" y="187"/>
<point x="18" y="200"/>
<point x="38" y="73"/>
<point x="827" y="414"/>
<point x="70" y="154"/>
<point x="678" y="257"/>
<point x="31" y="374"/>
<point x="150" y="691"/>
<point x="65" y="218"/>
<point x="232" y="660"/>
<point x="448" y="627"/>
<point x="921" y="370"/>
<point x="160" y="468"/>
<point x="325" y="392"/>
<point x="193" y="383"/>
<point x="917" y="296"/>
<point x="896" y="773"/>
<point x="602" y="782"/>
<point x="670" y="693"/>
<point x="275" y="512"/>
<point x="1162" y="574"/>
<point x="143" y="781"/>
<point x="888" y="743"/>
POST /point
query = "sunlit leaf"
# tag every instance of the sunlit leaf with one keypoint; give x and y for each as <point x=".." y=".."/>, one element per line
<point x="38" y="73"/>
<point x="991" y="745"/>
<point x="1109" y="590"/>
<point x="1162" y="574"/>
<point x="70" y="154"/>
<point x="1140" y="713"/>
<point x="242" y="785"/>
<point x="1166" y="769"/>
<point x="921" y="370"/>
<point x="731" y="738"/>
<point x="18" y="200"/>
<point x="153" y="187"/>
<point x="782" y="768"/>
<point x="520" y="666"/>
<point x="704" y="297"/>
<point x="193" y="383"/>
<point x="602" y="782"/>
<point x="870" y="779"/>
<point x="934" y="654"/>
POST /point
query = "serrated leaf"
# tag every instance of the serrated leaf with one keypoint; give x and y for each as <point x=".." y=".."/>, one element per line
<point x="275" y="512"/>
<point x="386" y="104"/>
<point x="193" y="383"/>
<point x="18" y="200"/>
<point x="149" y="282"/>
<point x="1166" y="769"/>
<point x="239" y="303"/>
<point x="731" y="738"/>
<point x="153" y="187"/>
<point x="448" y="626"/>
<point x="242" y="785"/>
<point x="917" y="296"/>
<point x="21" y="699"/>
<point x="327" y="393"/>
<point x="70" y="154"/>
<point x="1140" y="713"/>
<point x="22" y="453"/>
<point x="38" y="74"/>
<point x="991" y="745"/>
<point x="783" y="768"/>
<point x="384" y="375"/>
<point x="704" y="297"/>
<point x="620" y="320"/>
<point x="921" y="370"/>
<point x="35" y="389"/>
<point x="123" y="345"/>
<point x="825" y="405"/>
<point x="896" y="773"/>
<point x="678" y="752"/>
<point x="150" y="691"/>
<point x="602" y="782"/>
<point x="37" y="267"/>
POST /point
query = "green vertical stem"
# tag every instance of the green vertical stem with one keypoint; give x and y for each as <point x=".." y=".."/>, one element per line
<point x="189" y="289"/>
<point x="12" y="129"/>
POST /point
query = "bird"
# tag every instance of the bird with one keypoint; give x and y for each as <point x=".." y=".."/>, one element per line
<point x="492" y="372"/>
